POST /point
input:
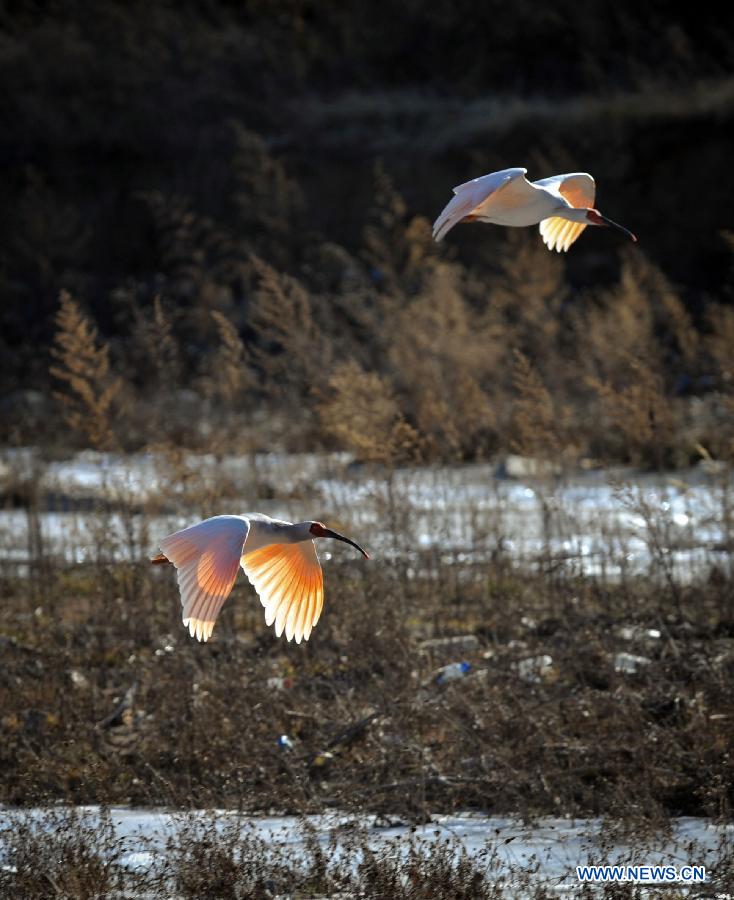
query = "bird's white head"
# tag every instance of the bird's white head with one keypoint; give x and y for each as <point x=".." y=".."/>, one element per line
<point x="594" y="217"/>
<point x="318" y="529"/>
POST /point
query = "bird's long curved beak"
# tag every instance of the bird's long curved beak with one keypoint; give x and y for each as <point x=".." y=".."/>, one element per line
<point x="340" y="537"/>
<point x="618" y="227"/>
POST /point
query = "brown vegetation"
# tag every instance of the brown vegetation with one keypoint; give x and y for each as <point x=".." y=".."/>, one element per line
<point x="106" y="698"/>
<point x="438" y="370"/>
<point x="84" y="369"/>
<point x="68" y="853"/>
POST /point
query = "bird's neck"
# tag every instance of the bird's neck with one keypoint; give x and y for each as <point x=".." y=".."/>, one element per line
<point x="295" y="534"/>
<point x="573" y="214"/>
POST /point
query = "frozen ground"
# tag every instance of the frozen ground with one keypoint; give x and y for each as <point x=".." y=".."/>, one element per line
<point x="608" y="524"/>
<point x="547" y="851"/>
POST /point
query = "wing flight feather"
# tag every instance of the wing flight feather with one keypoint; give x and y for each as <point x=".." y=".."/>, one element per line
<point x="578" y="189"/>
<point x="206" y="557"/>
<point x="290" y="584"/>
<point x="471" y="194"/>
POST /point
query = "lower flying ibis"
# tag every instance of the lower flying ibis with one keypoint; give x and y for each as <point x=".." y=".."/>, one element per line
<point x="279" y="559"/>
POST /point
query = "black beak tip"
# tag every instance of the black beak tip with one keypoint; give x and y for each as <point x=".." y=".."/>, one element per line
<point x="340" y="537"/>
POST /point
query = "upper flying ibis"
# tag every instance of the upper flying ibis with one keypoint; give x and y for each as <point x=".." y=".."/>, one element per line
<point x="278" y="558"/>
<point x="562" y="204"/>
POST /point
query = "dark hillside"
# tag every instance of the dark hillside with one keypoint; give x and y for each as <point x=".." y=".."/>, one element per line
<point x="150" y="149"/>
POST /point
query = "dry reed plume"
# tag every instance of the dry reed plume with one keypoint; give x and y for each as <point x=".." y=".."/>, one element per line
<point x="83" y="365"/>
<point x="460" y="371"/>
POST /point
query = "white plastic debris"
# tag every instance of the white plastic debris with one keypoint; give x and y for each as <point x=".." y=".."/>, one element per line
<point x="79" y="679"/>
<point x="535" y="669"/>
<point x="278" y="683"/>
<point x="460" y="643"/>
<point x="628" y="663"/>
<point x="452" y="672"/>
<point x="636" y="633"/>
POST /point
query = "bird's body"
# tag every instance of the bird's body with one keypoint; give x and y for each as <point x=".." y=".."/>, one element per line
<point x="279" y="559"/>
<point x="563" y="205"/>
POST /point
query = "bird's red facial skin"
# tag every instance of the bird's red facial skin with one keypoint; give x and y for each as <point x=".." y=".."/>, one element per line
<point x="317" y="529"/>
<point x="594" y="217"/>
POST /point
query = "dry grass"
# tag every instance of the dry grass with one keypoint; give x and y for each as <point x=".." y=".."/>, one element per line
<point x="229" y="375"/>
<point x="64" y="854"/>
<point x="83" y="365"/>
<point x="67" y="853"/>
<point x="405" y="356"/>
<point x="105" y="698"/>
<point x="536" y="422"/>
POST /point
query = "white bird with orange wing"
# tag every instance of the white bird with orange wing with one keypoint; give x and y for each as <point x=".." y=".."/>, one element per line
<point x="279" y="559"/>
<point x="562" y="204"/>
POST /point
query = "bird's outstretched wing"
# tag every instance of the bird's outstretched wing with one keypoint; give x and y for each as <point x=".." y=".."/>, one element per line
<point x="471" y="194"/>
<point x="290" y="584"/>
<point x="206" y="557"/>
<point x="579" y="190"/>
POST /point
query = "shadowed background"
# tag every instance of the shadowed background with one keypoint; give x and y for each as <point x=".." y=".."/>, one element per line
<point x="251" y="185"/>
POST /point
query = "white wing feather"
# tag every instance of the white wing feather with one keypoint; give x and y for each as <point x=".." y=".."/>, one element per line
<point x="206" y="557"/>
<point x="471" y="194"/>
<point x="578" y="189"/>
<point x="492" y="182"/>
